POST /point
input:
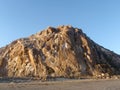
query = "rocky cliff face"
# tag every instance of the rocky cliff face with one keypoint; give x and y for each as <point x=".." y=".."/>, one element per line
<point x="57" y="52"/>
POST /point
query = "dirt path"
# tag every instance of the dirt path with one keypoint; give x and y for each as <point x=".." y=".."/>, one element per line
<point x="64" y="85"/>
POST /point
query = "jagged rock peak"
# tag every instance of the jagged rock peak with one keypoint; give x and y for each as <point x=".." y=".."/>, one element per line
<point x="60" y="29"/>
<point x="64" y="51"/>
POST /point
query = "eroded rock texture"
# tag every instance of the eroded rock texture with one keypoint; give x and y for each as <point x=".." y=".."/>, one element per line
<point x="57" y="52"/>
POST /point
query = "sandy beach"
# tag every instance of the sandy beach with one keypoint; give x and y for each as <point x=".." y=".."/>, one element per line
<point x="63" y="85"/>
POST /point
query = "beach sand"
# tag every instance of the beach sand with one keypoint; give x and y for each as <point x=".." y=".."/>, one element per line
<point x="86" y="84"/>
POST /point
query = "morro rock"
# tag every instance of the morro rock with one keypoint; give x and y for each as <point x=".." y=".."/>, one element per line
<point x="64" y="51"/>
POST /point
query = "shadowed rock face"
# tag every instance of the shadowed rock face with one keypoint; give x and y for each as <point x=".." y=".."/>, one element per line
<point x="57" y="52"/>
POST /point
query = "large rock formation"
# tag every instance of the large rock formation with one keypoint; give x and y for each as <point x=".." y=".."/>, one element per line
<point x="57" y="52"/>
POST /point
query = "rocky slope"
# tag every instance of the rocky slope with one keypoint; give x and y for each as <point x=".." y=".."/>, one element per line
<point x="64" y="51"/>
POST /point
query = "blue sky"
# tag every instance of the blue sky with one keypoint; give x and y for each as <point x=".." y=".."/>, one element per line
<point x="99" y="19"/>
